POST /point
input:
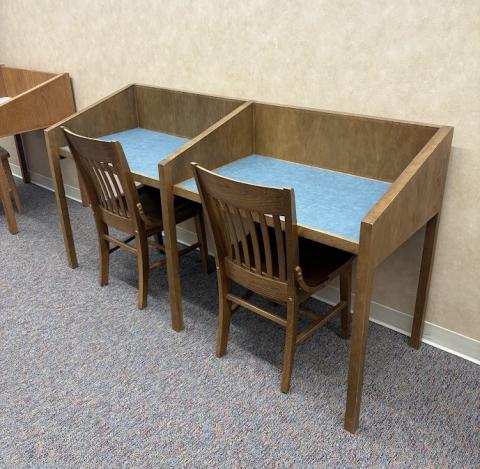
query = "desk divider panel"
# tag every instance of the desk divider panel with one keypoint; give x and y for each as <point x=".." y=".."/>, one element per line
<point x="414" y="198"/>
<point x="17" y="80"/>
<point x="363" y="146"/>
<point x="3" y="86"/>
<point x="229" y="139"/>
<point x="112" y="114"/>
<point x="179" y="113"/>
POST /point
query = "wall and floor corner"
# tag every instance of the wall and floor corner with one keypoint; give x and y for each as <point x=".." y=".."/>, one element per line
<point x="413" y="61"/>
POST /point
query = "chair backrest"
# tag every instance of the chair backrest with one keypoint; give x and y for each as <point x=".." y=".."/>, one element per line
<point x="107" y="178"/>
<point x="246" y="222"/>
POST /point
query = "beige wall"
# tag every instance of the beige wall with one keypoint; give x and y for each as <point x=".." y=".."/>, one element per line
<point x="403" y="59"/>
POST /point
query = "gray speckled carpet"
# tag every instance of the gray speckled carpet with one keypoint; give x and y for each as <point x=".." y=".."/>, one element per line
<point x="87" y="380"/>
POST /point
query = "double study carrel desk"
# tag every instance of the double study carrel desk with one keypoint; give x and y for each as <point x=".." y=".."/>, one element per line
<point x="32" y="100"/>
<point x="362" y="184"/>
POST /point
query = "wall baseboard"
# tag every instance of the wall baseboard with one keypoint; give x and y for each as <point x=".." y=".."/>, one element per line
<point x="46" y="183"/>
<point x="434" y="335"/>
<point x="437" y="336"/>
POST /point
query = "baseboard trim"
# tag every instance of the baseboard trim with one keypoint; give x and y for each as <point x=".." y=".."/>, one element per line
<point x="46" y="183"/>
<point x="437" y="336"/>
<point x="434" y="335"/>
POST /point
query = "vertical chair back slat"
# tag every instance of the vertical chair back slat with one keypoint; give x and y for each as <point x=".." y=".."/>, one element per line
<point x="104" y="168"/>
<point x="280" y="248"/>
<point x="266" y="245"/>
<point x="233" y="232"/>
<point x="99" y="189"/>
<point x="239" y="223"/>
<point x="122" y="204"/>
<point x="257" y="258"/>
<point x="222" y="218"/>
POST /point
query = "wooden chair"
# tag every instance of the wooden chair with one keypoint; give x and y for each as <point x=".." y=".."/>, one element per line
<point x="8" y="190"/>
<point x="257" y="247"/>
<point x="117" y="203"/>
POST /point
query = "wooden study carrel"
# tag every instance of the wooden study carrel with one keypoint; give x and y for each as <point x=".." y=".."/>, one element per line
<point x="149" y="122"/>
<point x="32" y="100"/>
<point x="362" y="184"/>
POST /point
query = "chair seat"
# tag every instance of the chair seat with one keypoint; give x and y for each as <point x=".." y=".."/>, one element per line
<point x="3" y="153"/>
<point x="319" y="263"/>
<point x="151" y="203"/>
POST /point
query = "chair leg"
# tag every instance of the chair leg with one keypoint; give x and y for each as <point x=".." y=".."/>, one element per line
<point x="290" y="343"/>
<point x="13" y="186"/>
<point x="346" y="295"/>
<point x="143" y="269"/>
<point x="202" y="241"/>
<point x="159" y="240"/>
<point x="224" y="314"/>
<point x="7" y="202"/>
<point x="104" y="247"/>
<point x="22" y="158"/>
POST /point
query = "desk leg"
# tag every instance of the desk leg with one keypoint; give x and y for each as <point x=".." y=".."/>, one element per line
<point x="6" y="200"/>
<point x="358" y="346"/>
<point x="64" y="216"/>
<point x="424" y="281"/>
<point x="173" y="262"/>
<point x="22" y="159"/>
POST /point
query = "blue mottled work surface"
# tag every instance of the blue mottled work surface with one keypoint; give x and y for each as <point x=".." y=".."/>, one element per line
<point x="327" y="201"/>
<point x="144" y="148"/>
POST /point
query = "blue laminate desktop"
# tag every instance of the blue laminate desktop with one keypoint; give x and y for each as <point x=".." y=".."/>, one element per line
<point x="144" y="148"/>
<point x="327" y="201"/>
